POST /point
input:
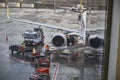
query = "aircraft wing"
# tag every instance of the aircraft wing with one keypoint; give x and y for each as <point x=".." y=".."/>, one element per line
<point x="45" y="25"/>
<point x="89" y="31"/>
<point x="99" y="28"/>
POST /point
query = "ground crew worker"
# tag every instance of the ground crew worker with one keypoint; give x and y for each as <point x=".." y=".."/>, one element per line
<point x="72" y="40"/>
<point x="22" y="48"/>
<point x="68" y="40"/>
<point x="33" y="51"/>
<point x="80" y="17"/>
<point x="23" y="44"/>
<point x="47" y="48"/>
<point x="76" y="40"/>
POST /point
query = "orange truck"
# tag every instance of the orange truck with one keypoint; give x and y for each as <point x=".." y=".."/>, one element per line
<point x="42" y="61"/>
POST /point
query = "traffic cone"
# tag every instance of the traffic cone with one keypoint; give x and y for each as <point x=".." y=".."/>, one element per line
<point x="7" y="38"/>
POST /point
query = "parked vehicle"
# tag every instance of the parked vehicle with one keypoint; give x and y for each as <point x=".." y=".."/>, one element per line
<point x="34" y="37"/>
<point x="42" y="60"/>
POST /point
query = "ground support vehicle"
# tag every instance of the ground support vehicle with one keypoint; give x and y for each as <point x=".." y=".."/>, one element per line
<point x="67" y="54"/>
<point x="33" y="37"/>
<point x="40" y="74"/>
<point x="42" y="61"/>
<point x="17" y="48"/>
<point x="42" y="65"/>
<point x="24" y="52"/>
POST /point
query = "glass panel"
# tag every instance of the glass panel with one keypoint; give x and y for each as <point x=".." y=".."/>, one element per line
<point x="71" y="46"/>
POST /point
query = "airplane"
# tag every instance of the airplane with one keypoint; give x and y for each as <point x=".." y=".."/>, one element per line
<point x="63" y="39"/>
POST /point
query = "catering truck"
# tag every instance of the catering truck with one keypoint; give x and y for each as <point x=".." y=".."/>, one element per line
<point x="33" y="37"/>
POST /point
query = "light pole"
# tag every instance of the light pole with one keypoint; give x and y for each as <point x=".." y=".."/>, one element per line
<point x="44" y="3"/>
<point x="6" y="3"/>
<point x="80" y="6"/>
<point x="80" y="2"/>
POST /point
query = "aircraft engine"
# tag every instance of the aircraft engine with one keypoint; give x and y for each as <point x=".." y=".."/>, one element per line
<point x="96" y="42"/>
<point x="59" y="40"/>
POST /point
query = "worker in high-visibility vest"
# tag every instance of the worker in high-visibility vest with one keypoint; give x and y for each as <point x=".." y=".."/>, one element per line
<point x="23" y="44"/>
<point x="47" y="48"/>
<point x="33" y="54"/>
<point x="33" y="51"/>
<point x="22" y="48"/>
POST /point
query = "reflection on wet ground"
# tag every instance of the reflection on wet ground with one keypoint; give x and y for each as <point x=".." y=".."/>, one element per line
<point x="14" y="70"/>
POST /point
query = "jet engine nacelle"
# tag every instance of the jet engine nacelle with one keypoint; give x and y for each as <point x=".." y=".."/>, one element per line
<point x="59" y="40"/>
<point x="96" y="41"/>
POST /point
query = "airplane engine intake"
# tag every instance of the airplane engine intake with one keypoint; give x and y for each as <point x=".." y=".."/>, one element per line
<point x="96" y="42"/>
<point x="59" y="40"/>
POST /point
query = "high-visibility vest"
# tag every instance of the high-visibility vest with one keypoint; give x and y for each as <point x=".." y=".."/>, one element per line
<point x="22" y="48"/>
<point x="33" y="51"/>
<point x="23" y="45"/>
<point x="47" y="47"/>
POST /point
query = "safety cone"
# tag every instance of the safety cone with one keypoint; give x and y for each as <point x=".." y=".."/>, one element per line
<point x="7" y="38"/>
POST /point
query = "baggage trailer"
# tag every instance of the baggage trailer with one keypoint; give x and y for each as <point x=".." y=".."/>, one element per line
<point x="24" y="52"/>
<point x="17" y="48"/>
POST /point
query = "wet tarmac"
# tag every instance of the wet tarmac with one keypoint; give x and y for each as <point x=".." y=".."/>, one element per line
<point x="14" y="70"/>
<point x="11" y="69"/>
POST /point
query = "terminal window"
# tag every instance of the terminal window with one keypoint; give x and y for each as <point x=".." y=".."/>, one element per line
<point x="68" y="44"/>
